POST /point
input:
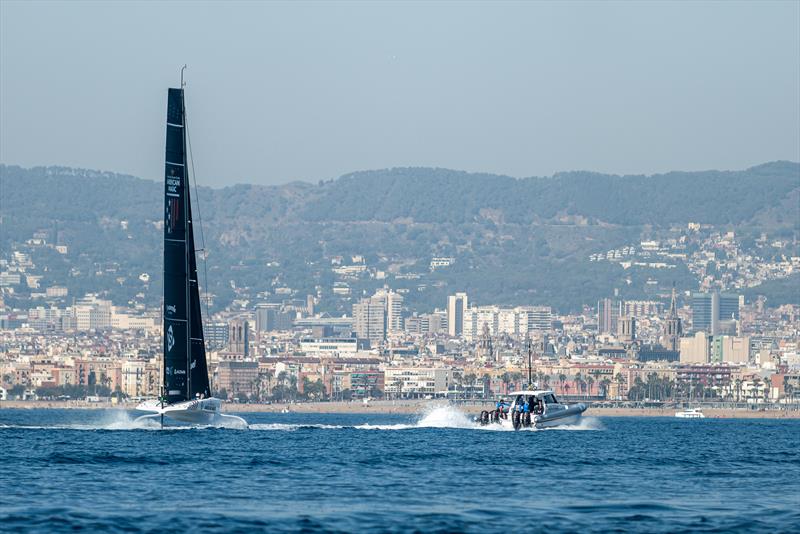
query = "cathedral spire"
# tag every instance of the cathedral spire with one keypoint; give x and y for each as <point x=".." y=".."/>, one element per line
<point x="673" y="307"/>
<point x="674" y="328"/>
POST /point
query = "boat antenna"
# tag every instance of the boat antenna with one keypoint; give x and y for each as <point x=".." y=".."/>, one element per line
<point x="530" y="358"/>
<point x="183" y="84"/>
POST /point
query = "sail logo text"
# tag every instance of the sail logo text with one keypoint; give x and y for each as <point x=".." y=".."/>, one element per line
<point x="173" y="184"/>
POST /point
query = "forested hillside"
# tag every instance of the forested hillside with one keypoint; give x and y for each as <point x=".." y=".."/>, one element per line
<point x="441" y="195"/>
<point x="514" y="241"/>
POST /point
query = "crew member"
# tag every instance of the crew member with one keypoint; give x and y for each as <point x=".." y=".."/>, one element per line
<point x="526" y="413"/>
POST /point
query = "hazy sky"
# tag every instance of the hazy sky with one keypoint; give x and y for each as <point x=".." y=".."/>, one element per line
<point x="284" y="91"/>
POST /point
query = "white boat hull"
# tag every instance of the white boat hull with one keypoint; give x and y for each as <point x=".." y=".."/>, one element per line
<point x="196" y="412"/>
<point x="689" y="414"/>
<point x="555" y="415"/>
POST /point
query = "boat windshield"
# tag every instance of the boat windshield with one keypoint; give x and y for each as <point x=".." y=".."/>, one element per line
<point x="550" y="399"/>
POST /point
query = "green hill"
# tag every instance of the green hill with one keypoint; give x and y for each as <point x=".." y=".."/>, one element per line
<point x="515" y="241"/>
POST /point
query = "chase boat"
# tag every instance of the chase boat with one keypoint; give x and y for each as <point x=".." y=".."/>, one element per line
<point x="544" y="410"/>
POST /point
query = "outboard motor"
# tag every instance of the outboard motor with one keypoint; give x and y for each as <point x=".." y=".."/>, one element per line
<point x="484" y="420"/>
<point x="516" y="419"/>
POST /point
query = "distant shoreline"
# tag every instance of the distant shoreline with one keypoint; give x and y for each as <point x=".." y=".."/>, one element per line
<point x="408" y="407"/>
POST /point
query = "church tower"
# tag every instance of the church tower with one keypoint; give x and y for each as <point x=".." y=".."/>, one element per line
<point x="485" y="348"/>
<point x="673" y="327"/>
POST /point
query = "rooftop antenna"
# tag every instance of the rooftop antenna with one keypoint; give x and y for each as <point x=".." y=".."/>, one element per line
<point x="183" y="84"/>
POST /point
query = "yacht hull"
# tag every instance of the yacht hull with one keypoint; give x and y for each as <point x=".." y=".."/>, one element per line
<point x="195" y="412"/>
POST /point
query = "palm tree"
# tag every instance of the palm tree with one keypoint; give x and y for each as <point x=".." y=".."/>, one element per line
<point x="562" y="378"/>
<point x="469" y="381"/>
<point x="683" y="389"/>
<point x="516" y="377"/>
<point x="590" y="382"/>
<point x="105" y="381"/>
<point x="604" y="383"/>
<point x="505" y="378"/>
<point x="458" y="382"/>
<point x="577" y="380"/>
<point x="755" y="388"/>
<point x="487" y="383"/>
<point x="596" y="375"/>
<point x="638" y="388"/>
<point x="788" y="389"/>
<point x="398" y="386"/>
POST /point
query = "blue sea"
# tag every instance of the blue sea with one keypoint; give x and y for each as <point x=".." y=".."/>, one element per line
<point x="93" y="470"/>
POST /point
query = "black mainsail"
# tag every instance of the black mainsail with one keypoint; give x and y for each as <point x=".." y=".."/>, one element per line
<point x="185" y="368"/>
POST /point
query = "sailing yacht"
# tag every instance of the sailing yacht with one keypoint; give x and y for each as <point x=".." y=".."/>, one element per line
<point x="186" y="394"/>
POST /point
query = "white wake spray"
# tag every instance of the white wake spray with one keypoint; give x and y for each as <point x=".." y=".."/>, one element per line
<point x="436" y="416"/>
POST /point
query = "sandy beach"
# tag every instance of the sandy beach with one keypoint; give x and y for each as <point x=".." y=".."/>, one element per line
<point x="410" y="407"/>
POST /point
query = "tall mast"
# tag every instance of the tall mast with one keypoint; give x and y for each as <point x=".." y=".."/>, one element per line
<point x="189" y="245"/>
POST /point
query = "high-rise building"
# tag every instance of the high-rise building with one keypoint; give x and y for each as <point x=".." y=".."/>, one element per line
<point x="696" y="349"/>
<point x="265" y="316"/>
<point x="710" y="309"/>
<point x="394" y="311"/>
<point x="92" y="313"/>
<point x="516" y="322"/>
<point x="534" y="318"/>
<point x="456" y="308"/>
<point x="704" y="311"/>
<point x="216" y="334"/>
<point x="271" y="317"/>
<point x="379" y="316"/>
<point x="369" y="320"/>
<point x="426" y="323"/>
<point x="642" y="308"/>
<point x="607" y="316"/>
<point x="729" y="306"/>
<point x="476" y="318"/>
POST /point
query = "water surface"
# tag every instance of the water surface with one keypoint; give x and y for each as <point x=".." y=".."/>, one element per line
<point x="62" y="470"/>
